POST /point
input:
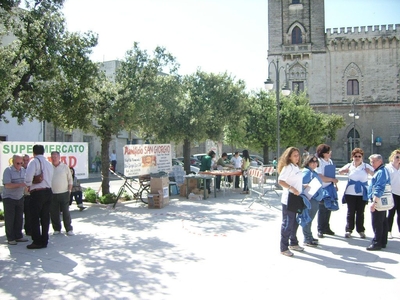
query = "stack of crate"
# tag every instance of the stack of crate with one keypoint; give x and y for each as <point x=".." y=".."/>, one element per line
<point x="159" y="189"/>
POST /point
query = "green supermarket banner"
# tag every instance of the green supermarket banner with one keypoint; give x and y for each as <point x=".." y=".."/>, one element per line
<point x="75" y="155"/>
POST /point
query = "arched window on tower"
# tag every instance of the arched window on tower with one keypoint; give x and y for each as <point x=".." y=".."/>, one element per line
<point x="352" y="87"/>
<point x="296" y="36"/>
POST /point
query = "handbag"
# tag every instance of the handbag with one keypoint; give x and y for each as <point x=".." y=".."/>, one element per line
<point x="385" y="202"/>
<point x="295" y="203"/>
<point x="38" y="178"/>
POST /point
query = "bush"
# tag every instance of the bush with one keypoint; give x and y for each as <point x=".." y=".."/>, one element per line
<point x="90" y="195"/>
<point x="1" y="215"/>
<point x="127" y="196"/>
<point x="108" y="198"/>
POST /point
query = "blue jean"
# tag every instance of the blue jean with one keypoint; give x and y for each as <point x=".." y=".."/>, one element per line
<point x="13" y="217"/>
<point x="245" y="183"/>
<point x="308" y="237"/>
<point x="288" y="229"/>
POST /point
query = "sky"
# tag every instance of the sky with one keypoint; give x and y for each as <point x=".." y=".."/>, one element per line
<point x="212" y="35"/>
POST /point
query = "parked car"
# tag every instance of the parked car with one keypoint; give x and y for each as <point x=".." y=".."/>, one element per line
<point x="193" y="161"/>
<point x="177" y="162"/>
<point x="260" y="160"/>
<point x="199" y="156"/>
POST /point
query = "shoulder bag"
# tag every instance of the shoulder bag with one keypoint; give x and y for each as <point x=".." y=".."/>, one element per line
<point x="38" y="178"/>
<point x="385" y="202"/>
<point x="295" y="203"/>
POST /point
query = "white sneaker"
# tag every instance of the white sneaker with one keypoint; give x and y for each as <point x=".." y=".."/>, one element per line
<point x="390" y="236"/>
<point x="70" y="233"/>
<point x="347" y="235"/>
<point x="56" y="232"/>
<point x="296" y="248"/>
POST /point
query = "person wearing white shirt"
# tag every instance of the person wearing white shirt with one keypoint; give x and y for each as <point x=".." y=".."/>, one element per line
<point x="356" y="194"/>
<point x="41" y="195"/>
<point x="291" y="180"/>
<point x="324" y="158"/>
<point x="236" y="161"/>
<point x="394" y="172"/>
<point x="62" y="187"/>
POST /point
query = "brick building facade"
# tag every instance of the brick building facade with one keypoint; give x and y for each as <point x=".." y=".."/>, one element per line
<point x="342" y="70"/>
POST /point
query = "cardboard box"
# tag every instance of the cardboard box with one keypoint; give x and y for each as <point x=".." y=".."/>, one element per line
<point x="192" y="183"/>
<point x="157" y="184"/>
<point x="182" y="190"/>
<point x="157" y="201"/>
<point x="198" y="192"/>
<point x="195" y="197"/>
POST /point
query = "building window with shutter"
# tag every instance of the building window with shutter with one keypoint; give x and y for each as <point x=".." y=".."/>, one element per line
<point x="296" y="36"/>
<point x="352" y="87"/>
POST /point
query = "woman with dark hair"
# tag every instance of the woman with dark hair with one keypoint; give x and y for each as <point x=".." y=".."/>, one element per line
<point x="207" y="165"/>
<point x="245" y="168"/>
<point x="291" y="180"/>
<point x="76" y="191"/>
<point x="310" y="164"/>
<point x="355" y="194"/>
<point x="329" y="185"/>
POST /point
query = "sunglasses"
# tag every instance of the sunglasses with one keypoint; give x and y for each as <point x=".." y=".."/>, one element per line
<point x="313" y="160"/>
<point x="19" y="163"/>
<point x="357" y="156"/>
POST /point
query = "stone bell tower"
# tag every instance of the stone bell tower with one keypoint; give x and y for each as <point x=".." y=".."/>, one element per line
<point x="296" y="36"/>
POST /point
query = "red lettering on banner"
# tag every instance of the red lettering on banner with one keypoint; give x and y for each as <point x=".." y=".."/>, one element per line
<point x="72" y="161"/>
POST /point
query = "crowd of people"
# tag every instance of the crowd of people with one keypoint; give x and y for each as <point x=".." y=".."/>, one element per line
<point x="237" y="162"/>
<point x="36" y="192"/>
<point x="298" y="207"/>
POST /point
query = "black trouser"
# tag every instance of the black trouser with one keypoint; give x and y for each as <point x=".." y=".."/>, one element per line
<point x="380" y="227"/>
<point x="355" y="213"/>
<point x="392" y="212"/>
<point x="27" y="214"/>
<point x="324" y="216"/>
<point x="78" y="197"/>
<point x="40" y="213"/>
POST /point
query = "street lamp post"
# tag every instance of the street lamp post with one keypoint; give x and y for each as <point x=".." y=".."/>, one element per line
<point x="269" y="84"/>
<point x="355" y="117"/>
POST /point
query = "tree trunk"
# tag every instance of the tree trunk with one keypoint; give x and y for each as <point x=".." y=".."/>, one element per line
<point x="266" y="154"/>
<point x="105" y="164"/>
<point x="186" y="155"/>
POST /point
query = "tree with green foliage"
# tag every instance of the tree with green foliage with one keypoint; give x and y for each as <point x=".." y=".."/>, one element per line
<point x="199" y="108"/>
<point x="47" y="71"/>
<point x="127" y="102"/>
<point x="302" y="124"/>
<point x="299" y="122"/>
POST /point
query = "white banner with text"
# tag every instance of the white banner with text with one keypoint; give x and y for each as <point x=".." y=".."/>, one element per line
<point x="143" y="159"/>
